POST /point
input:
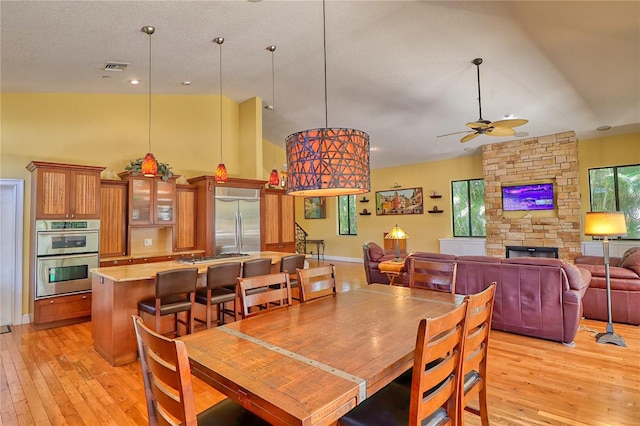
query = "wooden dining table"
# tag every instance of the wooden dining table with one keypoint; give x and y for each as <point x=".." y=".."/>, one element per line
<point x="310" y="363"/>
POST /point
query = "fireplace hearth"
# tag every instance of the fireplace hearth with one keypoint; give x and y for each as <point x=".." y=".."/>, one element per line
<point x="526" y="251"/>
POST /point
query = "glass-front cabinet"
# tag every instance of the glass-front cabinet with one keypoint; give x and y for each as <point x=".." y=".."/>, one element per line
<point x="151" y="201"/>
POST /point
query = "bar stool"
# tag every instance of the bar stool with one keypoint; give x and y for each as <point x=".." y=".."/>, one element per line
<point x="221" y="288"/>
<point x="175" y="293"/>
<point x="290" y="264"/>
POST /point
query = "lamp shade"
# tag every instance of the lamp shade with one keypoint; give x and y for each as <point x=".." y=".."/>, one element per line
<point x="605" y="224"/>
<point x="274" y="178"/>
<point x="328" y="161"/>
<point x="221" y="173"/>
<point x="149" y="165"/>
<point x="396" y="233"/>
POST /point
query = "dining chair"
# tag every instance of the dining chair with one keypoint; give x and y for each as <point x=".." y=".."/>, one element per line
<point x="317" y="282"/>
<point x="440" y="276"/>
<point x="432" y="398"/>
<point x="474" y="360"/>
<point x="168" y="386"/>
<point x="290" y="264"/>
<point x="267" y="292"/>
<point x="221" y="288"/>
<point x="175" y="293"/>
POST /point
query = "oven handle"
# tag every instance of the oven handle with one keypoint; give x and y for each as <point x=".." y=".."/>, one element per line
<point x="68" y="232"/>
<point x="68" y="256"/>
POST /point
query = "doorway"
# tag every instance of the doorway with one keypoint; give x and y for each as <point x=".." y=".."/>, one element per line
<point x="11" y="235"/>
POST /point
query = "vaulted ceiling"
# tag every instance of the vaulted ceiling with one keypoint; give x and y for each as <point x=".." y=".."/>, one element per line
<point x="399" y="70"/>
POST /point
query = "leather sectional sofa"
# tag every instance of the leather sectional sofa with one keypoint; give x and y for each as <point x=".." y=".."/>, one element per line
<point x="624" y="273"/>
<point x="536" y="297"/>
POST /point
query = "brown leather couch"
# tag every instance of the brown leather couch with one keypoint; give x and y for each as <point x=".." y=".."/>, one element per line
<point x="536" y="297"/>
<point x="373" y="254"/>
<point x="624" y="273"/>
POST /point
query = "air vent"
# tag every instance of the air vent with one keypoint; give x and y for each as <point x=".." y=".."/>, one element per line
<point x="115" y="66"/>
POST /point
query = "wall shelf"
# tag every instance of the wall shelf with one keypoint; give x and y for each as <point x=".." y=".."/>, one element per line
<point x="365" y="213"/>
<point x="435" y="211"/>
<point x="364" y="200"/>
<point x="435" y="196"/>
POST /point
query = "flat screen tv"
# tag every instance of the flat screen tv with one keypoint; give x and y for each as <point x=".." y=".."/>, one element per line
<point x="537" y="196"/>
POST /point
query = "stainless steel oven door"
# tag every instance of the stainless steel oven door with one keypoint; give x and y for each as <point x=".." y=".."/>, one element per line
<point x="67" y="242"/>
<point x="64" y="274"/>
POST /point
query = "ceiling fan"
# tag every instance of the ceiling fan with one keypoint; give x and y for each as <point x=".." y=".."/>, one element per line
<point x="486" y="127"/>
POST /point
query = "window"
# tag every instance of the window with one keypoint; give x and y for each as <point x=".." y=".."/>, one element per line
<point x="347" y="213"/>
<point x="617" y="189"/>
<point x="468" y="208"/>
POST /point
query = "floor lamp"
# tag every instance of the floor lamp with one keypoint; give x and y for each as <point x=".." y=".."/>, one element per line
<point x="606" y="224"/>
<point x="397" y="234"/>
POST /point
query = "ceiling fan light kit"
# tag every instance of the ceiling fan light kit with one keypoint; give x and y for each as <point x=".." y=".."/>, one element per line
<point x="486" y="127"/>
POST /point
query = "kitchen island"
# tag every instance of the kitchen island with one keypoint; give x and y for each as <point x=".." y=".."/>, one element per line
<point x="116" y="291"/>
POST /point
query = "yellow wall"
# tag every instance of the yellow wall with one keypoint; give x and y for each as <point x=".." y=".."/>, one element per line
<point x="426" y="229"/>
<point x="603" y="152"/>
<point x="111" y="130"/>
<point x="423" y="229"/>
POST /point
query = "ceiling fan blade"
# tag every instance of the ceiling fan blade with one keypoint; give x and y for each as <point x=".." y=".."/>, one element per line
<point x="469" y="137"/>
<point x="514" y="122"/>
<point x="454" y="133"/>
<point x="483" y="124"/>
<point x="500" y="131"/>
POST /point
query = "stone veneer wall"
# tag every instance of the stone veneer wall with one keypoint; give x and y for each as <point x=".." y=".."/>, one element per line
<point x="552" y="157"/>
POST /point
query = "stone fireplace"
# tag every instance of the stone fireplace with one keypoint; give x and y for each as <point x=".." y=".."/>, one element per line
<point x="547" y="158"/>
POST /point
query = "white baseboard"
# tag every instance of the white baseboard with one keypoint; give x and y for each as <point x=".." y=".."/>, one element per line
<point x="344" y="259"/>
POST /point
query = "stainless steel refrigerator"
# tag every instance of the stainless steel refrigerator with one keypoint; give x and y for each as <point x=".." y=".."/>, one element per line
<point x="237" y="220"/>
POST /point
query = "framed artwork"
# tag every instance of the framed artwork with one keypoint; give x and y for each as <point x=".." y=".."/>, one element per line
<point x="399" y="201"/>
<point x="315" y="208"/>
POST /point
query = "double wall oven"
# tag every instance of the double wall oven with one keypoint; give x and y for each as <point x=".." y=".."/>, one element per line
<point x="66" y="251"/>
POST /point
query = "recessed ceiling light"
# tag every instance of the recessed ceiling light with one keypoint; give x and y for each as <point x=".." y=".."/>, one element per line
<point x="521" y="134"/>
<point x="269" y="107"/>
<point x="509" y="116"/>
<point x="134" y="82"/>
<point x="603" y="128"/>
<point x="186" y="83"/>
<point x="373" y="148"/>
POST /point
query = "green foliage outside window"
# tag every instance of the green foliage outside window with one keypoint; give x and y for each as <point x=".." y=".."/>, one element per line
<point x="617" y="189"/>
<point x="347" y="214"/>
<point x="468" y="208"/>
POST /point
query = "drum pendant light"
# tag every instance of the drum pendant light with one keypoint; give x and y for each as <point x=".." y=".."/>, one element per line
<point x="149" y="164"/>
<point x="221" y="171"/>
<point x="327" y="161"/>
<point x="274" y="178"/>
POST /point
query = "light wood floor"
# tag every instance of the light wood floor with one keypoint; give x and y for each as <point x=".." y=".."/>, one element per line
<point x="54" y="377"/>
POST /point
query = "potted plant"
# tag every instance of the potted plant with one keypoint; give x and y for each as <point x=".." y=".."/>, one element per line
<point x="135" y="168"/>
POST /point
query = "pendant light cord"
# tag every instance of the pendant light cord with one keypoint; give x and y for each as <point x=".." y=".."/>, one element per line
<point x="324" y="41"/>
<point x="220" y="44"/>
<point x="149" y="87"/>
<point x="273" y="80"/>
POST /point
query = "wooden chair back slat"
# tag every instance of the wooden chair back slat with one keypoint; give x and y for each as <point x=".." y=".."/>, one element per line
<point x="317" y="282"/>
<point x="439" y="276"/>
<point x="437" y="365"/>
<point x="477" y="333"/>
<point x="275" y="293"/>
<point x="167" y="377"/>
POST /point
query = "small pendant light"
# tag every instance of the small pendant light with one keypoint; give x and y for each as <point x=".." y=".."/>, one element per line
<point x="149" y="164"/>
<point x="274" y="178"/>
<point x="221" y="171"/>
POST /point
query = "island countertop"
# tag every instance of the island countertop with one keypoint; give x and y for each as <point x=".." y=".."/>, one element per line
<point x="145" y="271"/>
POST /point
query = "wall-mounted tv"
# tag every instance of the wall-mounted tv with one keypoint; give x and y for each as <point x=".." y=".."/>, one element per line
<point x="537" y="196"/>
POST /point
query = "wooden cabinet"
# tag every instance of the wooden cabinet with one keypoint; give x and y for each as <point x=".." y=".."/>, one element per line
<point x="113" y="218"/>
<point x="185" y="228"/>
<point x="56" y="310"/>
<point x="65" y="191"/>
<point x="278" y="221"/>
<point x="151" y="200"/>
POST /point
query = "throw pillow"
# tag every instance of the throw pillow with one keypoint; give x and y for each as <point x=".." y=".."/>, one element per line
<point x="628" y="253"/>
<point x="632" y="261"/>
